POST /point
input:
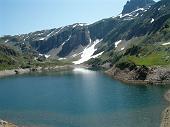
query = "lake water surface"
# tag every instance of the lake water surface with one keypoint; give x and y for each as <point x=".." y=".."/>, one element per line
<point x="79" y="98"/>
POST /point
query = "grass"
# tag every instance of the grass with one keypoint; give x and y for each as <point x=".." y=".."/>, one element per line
<point x="51" y="62"/>
<point x="12" y="62"/>
<point x="154" y="57"/>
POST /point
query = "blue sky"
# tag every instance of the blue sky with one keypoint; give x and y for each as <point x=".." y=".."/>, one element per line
<point x="23" y="16"/>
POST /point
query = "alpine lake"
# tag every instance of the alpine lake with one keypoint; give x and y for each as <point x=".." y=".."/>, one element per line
<point x="79" y="98"/>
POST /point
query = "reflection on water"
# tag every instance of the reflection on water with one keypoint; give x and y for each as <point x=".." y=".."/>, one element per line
<point x="83" y="71"/>
<point x="81" y="98"/>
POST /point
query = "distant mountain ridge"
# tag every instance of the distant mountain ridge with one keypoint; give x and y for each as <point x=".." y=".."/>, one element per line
<point x="136" y="4"/>
<point x="139" y="19"/>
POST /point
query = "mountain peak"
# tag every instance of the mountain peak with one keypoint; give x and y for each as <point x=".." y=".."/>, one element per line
<point x="132" y="5"/>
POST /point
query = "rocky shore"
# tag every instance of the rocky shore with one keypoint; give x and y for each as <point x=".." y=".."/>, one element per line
<point x="37" y="69"/>
<point x="166" y="118"/>
<point x="6" y="124"/>
<point x="145" y="75"/>
<point x="141" y="75"/>
<point x="166" y="113"/>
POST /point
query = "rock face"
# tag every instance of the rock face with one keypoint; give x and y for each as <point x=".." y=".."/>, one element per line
<point x="141" y="74"/>
<point x="60" y="42"/>
<point x="65" y="41"/>
<point x="7" y="51"/>
<point x="7" y="55"/>
<point x="159" y="74"/>
<point x="135" y="4"/>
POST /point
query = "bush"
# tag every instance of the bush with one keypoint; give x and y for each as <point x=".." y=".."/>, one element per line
<point x="126" y="64"/>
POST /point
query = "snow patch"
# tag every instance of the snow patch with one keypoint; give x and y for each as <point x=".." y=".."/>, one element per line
<point x="136" y="14"/>
<point x="117" y="43"/>
<point x="6" y="41"/>
<point x="81" y="24"/>
<point x="122" y="48"/>
<point x="41" y="39"/>
<point x="88" y="52"/>
<point x="78" y="24"/>
<point x="152" y="20"/>
<point x="26" y="38"/>
<point x="40" y="34"/>
<point x="59" y="30"/>
<point x="40" y="54"/>
<point x="140" y="9"/>
<point x="62" y="58"/>
<point x="97" y="55"/>
<point x="129" y="18"/>
<point x="168" y="43"/>
<point x="51" y="34"/>
<point x="46" y="56"/>
<point x="122" y="16"/>
<point x="74" y="55"/>
<point x="74" y="25"/>
<point x="131" y="14"/>
<point x="66" y="40"/>
<point x="113" y="17"/>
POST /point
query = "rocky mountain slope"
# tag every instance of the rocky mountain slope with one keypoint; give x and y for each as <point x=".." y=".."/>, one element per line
<point x="133" y="5"/>
<point x="141" y="22"/>
<point x="142" y="39"/>
<point x="8" y="56"/>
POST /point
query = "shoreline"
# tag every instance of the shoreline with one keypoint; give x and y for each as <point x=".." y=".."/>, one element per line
<point x="137" y="82"/>
<point x="153" y="76"/>
<point x="167" y="95"/>
<point x="165" y="122"/>
<point x="121" y="76"/>
<point x="6" y="124"/>
<point x="20" y="71"/>
<point x="165" y="117"/>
